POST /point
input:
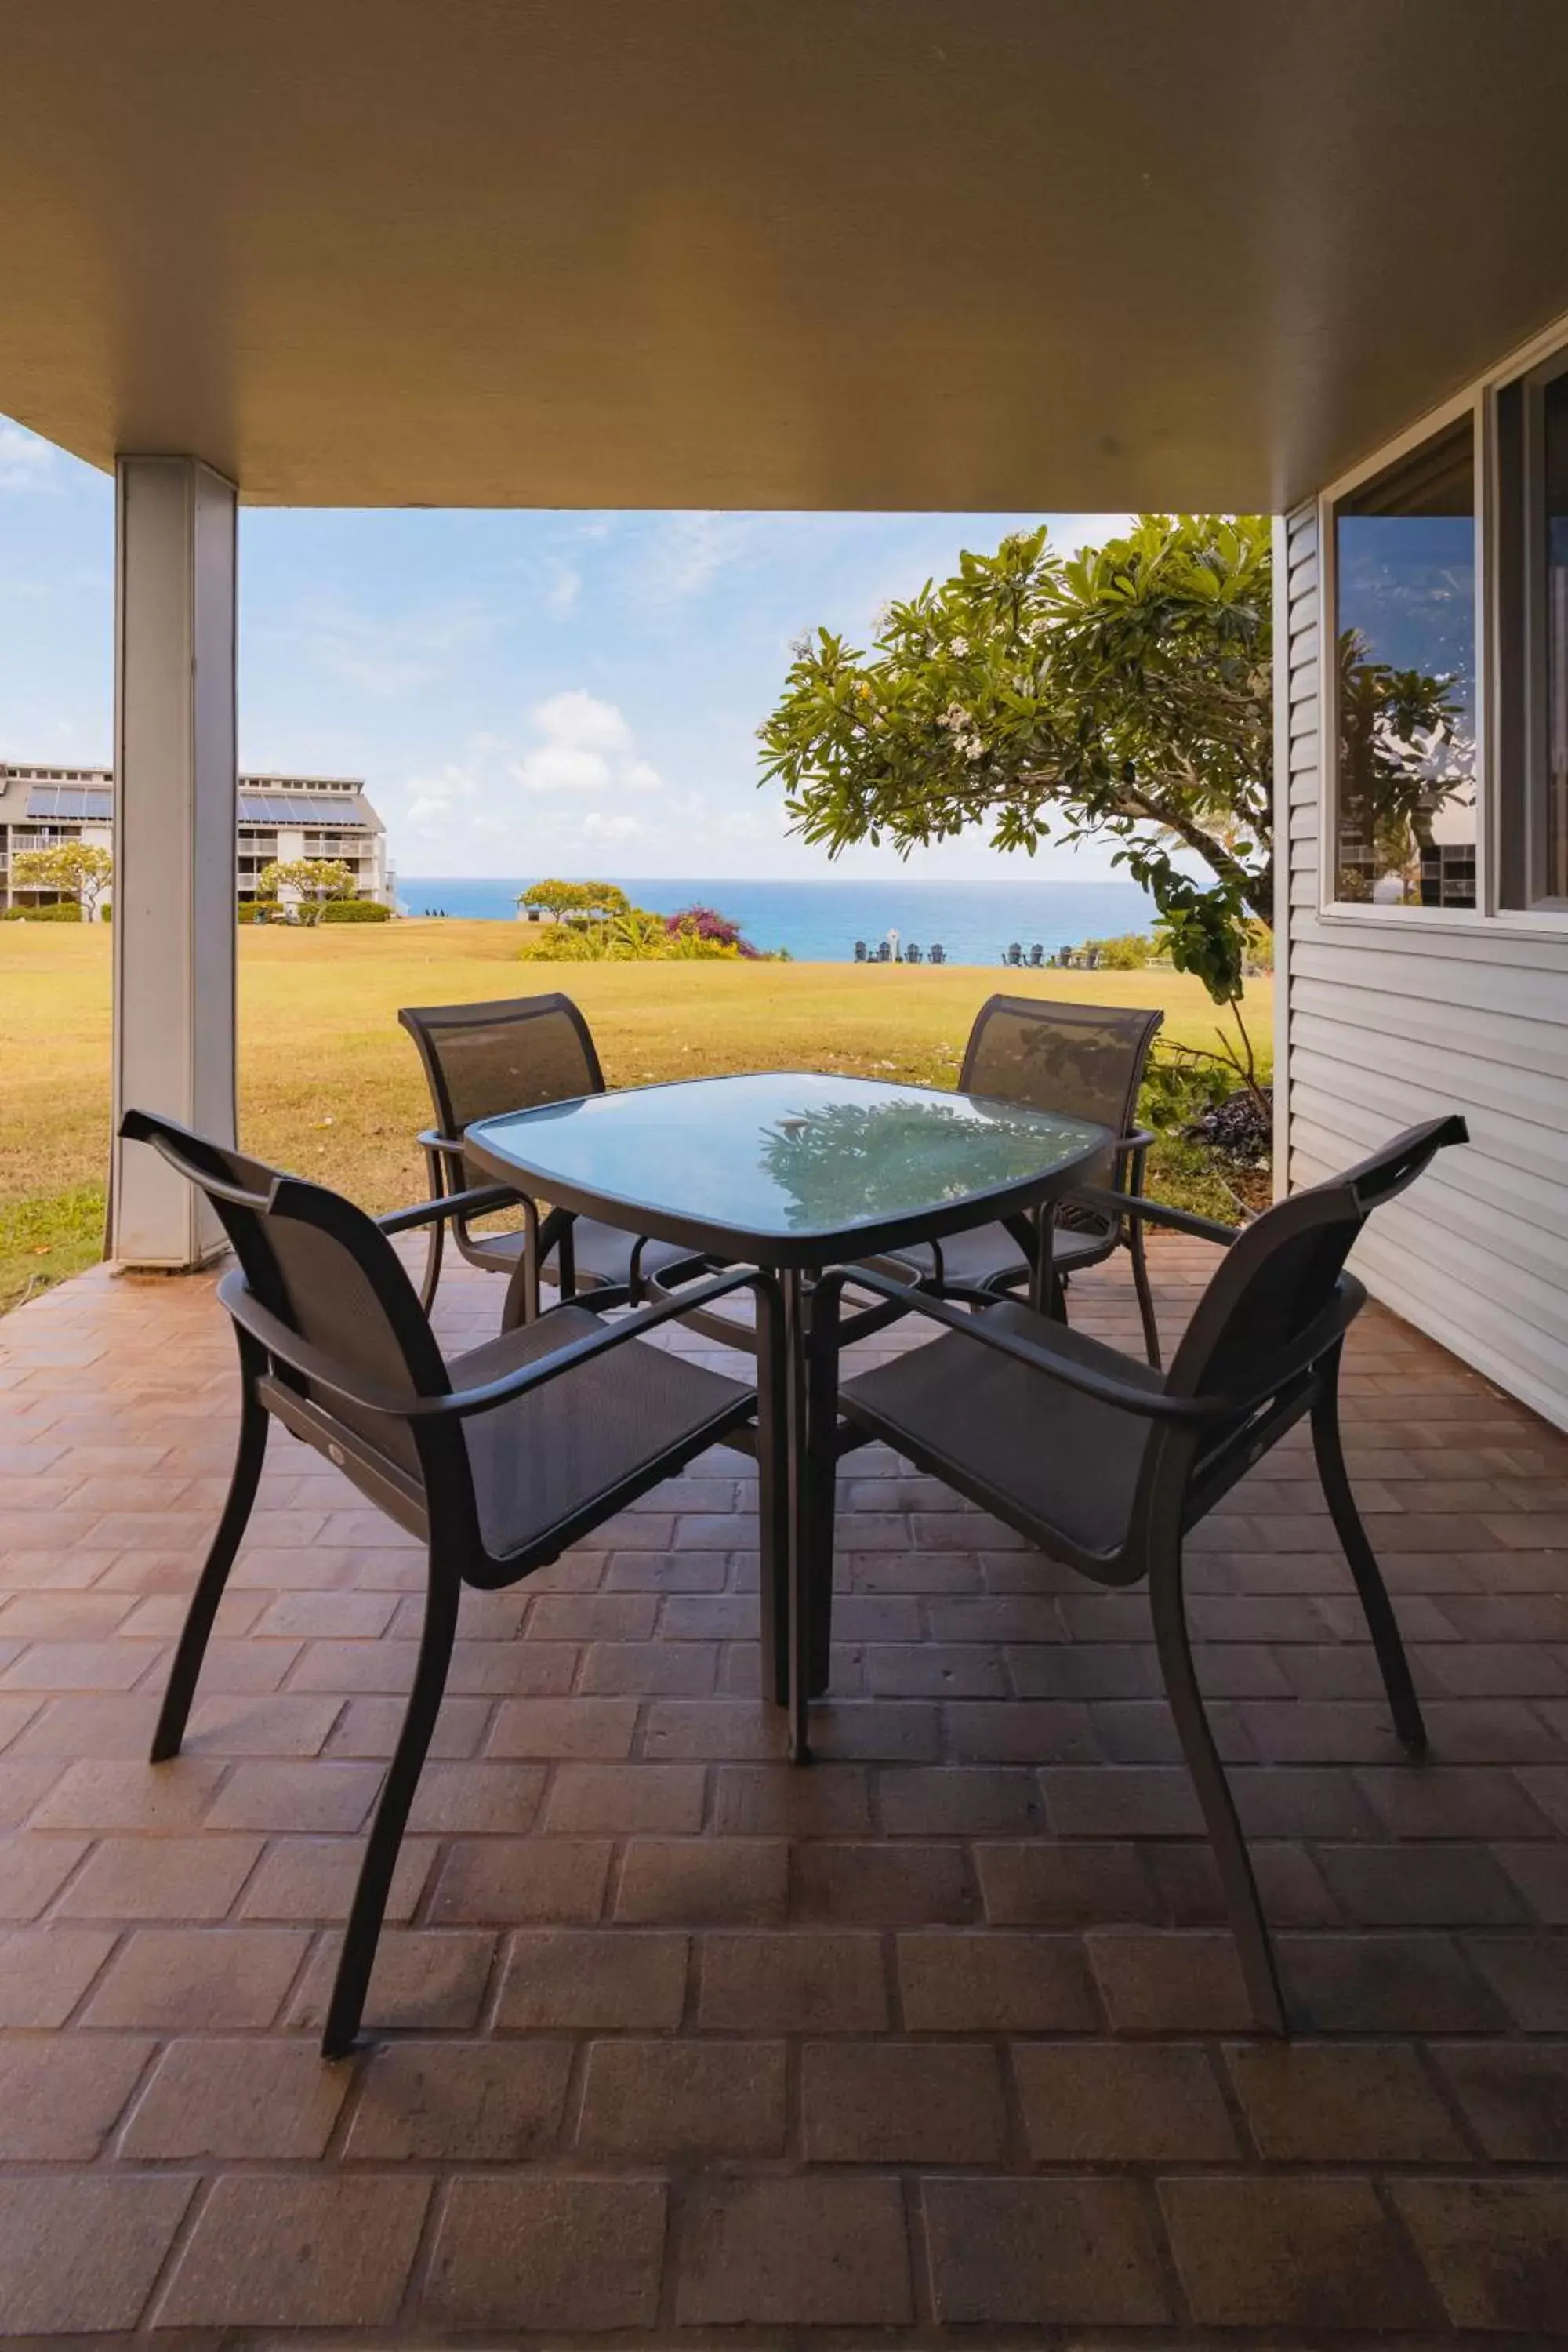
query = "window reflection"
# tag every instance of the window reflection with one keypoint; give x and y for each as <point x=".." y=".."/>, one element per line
<point x="1405" y="562"/>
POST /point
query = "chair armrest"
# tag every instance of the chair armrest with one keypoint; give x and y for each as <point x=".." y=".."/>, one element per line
<point x="466" y="1402"/>
<point x="431" y="1138"/>
<point x="1134" y="1205"/>
<point x="1324" y="1332"/>
<point x="1150" y="1404"/>
<point x="471" y="1203"/>
<point x="324" y="1372"/>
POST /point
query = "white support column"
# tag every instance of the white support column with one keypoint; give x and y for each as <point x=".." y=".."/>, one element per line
<point x="175" y="808"/>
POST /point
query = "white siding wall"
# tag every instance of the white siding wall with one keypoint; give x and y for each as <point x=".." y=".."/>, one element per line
<point x="1388" y="1023"/>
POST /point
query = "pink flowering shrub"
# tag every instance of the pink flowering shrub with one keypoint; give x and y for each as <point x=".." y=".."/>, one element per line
<point x="709" y="924"/>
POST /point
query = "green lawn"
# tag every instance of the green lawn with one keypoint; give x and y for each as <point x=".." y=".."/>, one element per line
<point x="329" y="1084"/>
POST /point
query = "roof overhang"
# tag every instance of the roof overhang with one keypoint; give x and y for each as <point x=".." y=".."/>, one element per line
<point x="1081" y="254"/>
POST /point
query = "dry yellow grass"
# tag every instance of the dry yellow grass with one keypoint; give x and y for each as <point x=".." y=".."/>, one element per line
<point x="329" y="1084"/>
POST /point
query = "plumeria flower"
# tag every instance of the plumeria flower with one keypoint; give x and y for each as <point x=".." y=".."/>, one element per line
<point x="800" y="646"/>
<point x="960" y="646"/>
<point x="955" y="716"/>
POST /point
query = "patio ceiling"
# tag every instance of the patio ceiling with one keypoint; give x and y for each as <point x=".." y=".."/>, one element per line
<point x="789" y="253"/>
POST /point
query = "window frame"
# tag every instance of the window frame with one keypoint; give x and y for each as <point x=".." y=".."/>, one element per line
<point x="1475" y="404"/>
<point x="1542" y="356"/>
<point x="1521" y="638"/>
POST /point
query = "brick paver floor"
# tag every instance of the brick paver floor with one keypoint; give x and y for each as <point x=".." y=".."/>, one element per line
<point x="943" y="2039"/>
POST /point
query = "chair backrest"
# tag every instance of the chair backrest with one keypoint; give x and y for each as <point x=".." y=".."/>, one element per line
<point x="859" y="950"/>
<point x="321" y="1267"/>
<point x="483" y="1060"/>
<point x="1085" y="1061"/>
<point x="1279" y="1273"/>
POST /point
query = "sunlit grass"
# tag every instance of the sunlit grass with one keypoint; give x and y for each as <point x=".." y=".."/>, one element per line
<point x="329" y="1084"/>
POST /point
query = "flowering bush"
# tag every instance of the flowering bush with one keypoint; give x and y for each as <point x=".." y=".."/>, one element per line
<point x="697" y="934"/>
<point x="708" y="923"/>
<point x="635" y="937"/>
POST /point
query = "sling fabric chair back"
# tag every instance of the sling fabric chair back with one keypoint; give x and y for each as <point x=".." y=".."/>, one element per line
<point x="511" y="1054"/>
<point x="1084" y="1060"/>
<point x="325" y="1269"/>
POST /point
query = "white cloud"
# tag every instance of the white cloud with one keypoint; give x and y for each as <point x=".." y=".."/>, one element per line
<point x="24" y="461"/>
<point x="616" y="828"/>
<point x="388" y="657"/>
<point x="689" y="549"/>
<point x="585" y="746"/>
<point x="566" y="587"/>
<point x="434" y="800"/>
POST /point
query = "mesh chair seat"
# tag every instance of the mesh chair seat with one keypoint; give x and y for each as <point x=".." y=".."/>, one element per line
<point x="1043" y="1450"/>
<point x="988" y="1258"/>
<point x="601" y="1254"/>
<point x="540" y="1461"/>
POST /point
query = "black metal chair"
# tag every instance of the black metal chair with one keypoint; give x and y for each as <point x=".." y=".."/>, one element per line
<point x="1107" y="1465"/>
<point x="1086" y="1061"/>
<point x="515" y="1054"/>
<point x="497" y="1458"/>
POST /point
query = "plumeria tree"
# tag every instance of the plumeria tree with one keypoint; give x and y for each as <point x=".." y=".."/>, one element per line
<point x="81" y="870"/>
<point x="316" y="879"/>
<point x="1122" y="694"/>
<point x="563" y="900"/>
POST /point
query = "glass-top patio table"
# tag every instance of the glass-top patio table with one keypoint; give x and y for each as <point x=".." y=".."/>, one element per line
<point x="791" y="1172"/>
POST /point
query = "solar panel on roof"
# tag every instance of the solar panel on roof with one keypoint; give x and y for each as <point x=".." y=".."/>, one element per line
<point x="292" y="808"/>
<point x="80" y="801"/>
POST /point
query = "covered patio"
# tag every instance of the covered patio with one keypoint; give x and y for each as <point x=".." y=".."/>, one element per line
<point x="940" y="2034"/>
<point x="941" y="2041"/>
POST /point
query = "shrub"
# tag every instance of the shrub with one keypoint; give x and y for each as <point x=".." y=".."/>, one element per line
<point x="258" y="910"/>
<point x="355" y="910"/>
<point x="707" y="923"/>
<point x="66" y="911"/>
<point x="1177" y="1092"/>
<point x="635" y="937"/>
<point x="1131" y="951"/>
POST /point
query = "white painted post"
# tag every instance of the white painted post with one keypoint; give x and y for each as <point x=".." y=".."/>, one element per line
<point x="174" y="812"/>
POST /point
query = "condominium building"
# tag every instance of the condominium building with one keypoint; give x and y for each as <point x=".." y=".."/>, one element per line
<point x="280" y="818"/>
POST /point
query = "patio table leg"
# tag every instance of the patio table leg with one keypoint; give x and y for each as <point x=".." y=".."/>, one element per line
<point x="773" y="1498"/>
<point x="798" y="1513"/>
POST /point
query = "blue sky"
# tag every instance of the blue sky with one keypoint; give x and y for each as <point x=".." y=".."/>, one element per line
<point x="522" y="691"/>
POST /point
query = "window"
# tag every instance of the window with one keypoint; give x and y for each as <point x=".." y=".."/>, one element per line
<point x="1404" y="690"/>
<point x="1532" y="636"/>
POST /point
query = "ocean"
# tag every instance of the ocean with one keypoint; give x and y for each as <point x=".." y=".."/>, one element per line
<point x="819" y="922"/>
